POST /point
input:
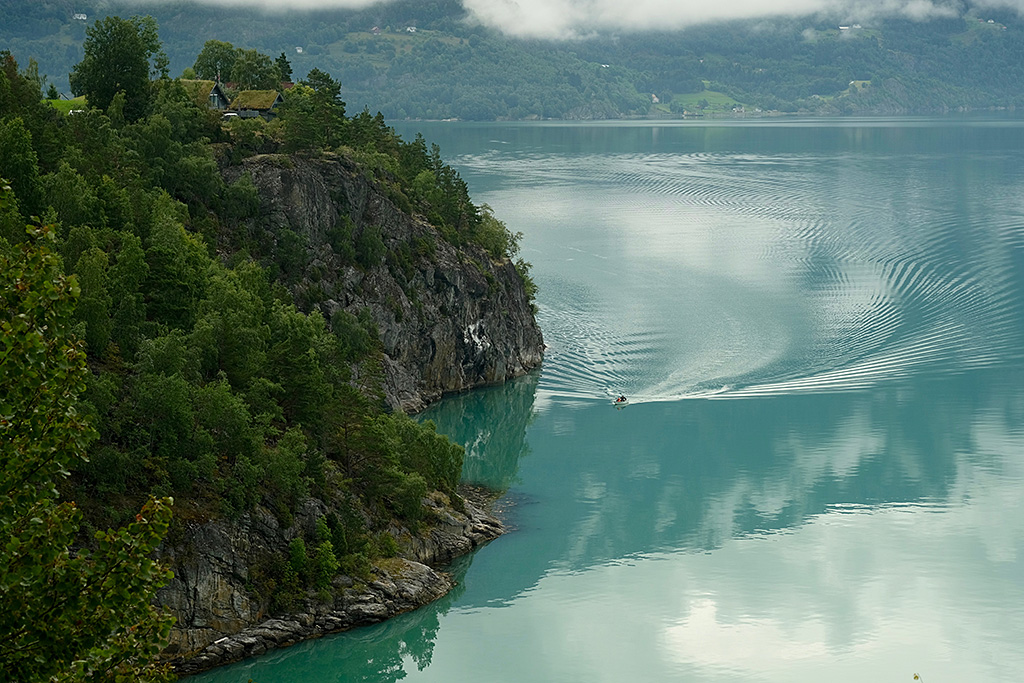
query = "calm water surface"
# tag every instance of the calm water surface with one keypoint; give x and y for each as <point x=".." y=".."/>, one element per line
<point x="821" y="472"/>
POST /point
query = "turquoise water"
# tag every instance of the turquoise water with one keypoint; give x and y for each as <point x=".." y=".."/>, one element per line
<point x="820" y="475"/>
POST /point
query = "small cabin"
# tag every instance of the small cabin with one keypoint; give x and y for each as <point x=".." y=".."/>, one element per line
<point x="249" y="104"/>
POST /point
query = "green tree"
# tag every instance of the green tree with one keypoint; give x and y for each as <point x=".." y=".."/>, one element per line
<point x="328" y="107"/>
<point x="494" y="236"/>
<point x="298" y="560"/>
<point x="177" y="264"/>
<point x="255" y="71"/>
<point x="117" y="59"/>
<point x="324" y="564"/>
<point x="294" y="358"/>
<point x="65" y="615"/>
<point x="18" y="162"/>
<point x="284" y="67"/>
<point x="94" y="303"/>
<point x="216" y="61"/>
<point x="298" y="119"/>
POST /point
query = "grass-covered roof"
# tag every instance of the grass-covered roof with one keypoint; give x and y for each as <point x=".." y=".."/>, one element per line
<point x="256" y="99"/>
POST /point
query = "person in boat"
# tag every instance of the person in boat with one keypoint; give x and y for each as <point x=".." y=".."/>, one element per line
<point x="620" y="399"/>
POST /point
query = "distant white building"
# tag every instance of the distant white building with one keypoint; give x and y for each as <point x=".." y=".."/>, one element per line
<point x="79" y="17"/>
<point x="410" y="29"/>
<point x="298" y="50"/>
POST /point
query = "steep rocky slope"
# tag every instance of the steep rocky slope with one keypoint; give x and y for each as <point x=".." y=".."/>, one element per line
<point x="450" y="319"/>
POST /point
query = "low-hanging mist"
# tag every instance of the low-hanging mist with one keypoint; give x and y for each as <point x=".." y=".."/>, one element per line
<point x="574" y="19"/>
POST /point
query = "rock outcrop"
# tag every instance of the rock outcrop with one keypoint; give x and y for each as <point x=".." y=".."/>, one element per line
<point x="449" y="318"/>
<point x="220" y="620"/>
<point x="400" y="586"/>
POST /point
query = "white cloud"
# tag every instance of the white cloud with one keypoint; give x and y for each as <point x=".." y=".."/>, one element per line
<point x="580" y="18"/>
<point x="574" y="18"/>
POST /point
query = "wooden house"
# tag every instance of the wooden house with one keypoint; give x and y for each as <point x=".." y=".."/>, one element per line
<point x="252" y="103"/>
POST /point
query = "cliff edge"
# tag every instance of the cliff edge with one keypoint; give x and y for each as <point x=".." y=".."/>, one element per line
<point x="449" y="318"/>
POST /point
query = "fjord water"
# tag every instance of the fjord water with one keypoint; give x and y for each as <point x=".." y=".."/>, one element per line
<point x="820" y="475"/>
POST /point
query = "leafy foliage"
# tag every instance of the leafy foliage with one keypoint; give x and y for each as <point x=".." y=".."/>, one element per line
<point x="216" y="61"/>
<point x="248" y="69"/>
<point x="117" y="60"/>
<point x="254" y="70"/>
<point x="65" y="615"/>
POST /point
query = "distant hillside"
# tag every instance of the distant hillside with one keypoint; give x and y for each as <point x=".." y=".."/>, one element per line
<point x="422" y="60"/>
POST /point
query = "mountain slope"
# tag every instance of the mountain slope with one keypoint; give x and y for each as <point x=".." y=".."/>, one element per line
<point x="424" y="60"/>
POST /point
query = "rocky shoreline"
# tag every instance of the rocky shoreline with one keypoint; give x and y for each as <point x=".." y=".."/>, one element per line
<point x="400" y="584"/>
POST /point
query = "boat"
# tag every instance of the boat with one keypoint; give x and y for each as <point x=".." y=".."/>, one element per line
<point x="620" y="402"/>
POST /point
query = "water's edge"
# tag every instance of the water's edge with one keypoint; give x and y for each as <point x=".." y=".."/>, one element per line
<point x="401" y="584"/>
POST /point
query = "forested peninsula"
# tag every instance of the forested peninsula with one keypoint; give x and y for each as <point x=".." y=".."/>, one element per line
<point x="421" y="59"/>
<point x="214" y="330"/>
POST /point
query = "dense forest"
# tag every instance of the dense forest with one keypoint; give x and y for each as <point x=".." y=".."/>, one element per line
<point x="174" y="361"/>
<point x="423" y="60"/>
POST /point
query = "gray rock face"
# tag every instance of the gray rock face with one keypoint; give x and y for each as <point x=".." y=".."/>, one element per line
<point x="204" y="593"/>
<point x="453" y="534"/>
<point x="220" y="621"/>
<point x="449" y="319"/>
<point x="212" y="564"/>
<point x="401" y="586"/>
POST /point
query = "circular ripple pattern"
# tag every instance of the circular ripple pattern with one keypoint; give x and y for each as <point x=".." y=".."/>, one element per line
<point x="668" y="276"/>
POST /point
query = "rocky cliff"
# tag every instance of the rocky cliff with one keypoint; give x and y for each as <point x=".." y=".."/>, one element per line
<point x="449" y="318"/>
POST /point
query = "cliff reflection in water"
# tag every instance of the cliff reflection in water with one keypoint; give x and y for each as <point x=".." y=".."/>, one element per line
<point x="491" y="425"/>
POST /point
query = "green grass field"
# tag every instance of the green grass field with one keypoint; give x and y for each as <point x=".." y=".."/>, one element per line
<point x="65" y="106"/>
<point x="691" y="102"/>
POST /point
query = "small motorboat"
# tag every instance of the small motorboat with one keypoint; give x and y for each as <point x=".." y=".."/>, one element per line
<point x="620" y="401"/>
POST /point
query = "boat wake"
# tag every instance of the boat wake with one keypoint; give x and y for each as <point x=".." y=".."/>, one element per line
<point x="729" y="281"/>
